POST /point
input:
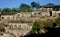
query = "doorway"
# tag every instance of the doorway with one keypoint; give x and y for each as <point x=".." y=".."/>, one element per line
<point x="50" y="13"/>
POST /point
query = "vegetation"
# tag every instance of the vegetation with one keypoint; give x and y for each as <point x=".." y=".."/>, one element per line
<point x="25" y="8"/>
<point x="58" y="21"/>
<point x="7" y="11"/>
<point x="38" y="26"/>
<point x="20" y="21"/>
<point x="35" y="5"/>
<point x="22" y="8"/>
<point x="14" y="10"/>
<point x="50" y="4"/>
<point x="56" y="7"/>
<point x="0" y="9"/>
<point x="35" y="27"/>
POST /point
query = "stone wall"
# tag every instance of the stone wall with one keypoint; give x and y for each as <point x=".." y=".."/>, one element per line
<point x="2" y="34"/>
<point x="7" y="17"/>
<point x="56" y="13"/>
<point x="26" y="15"/>
<point x="19" y="29"/>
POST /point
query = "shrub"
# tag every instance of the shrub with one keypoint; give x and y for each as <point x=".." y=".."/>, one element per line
<point x="36" y="26"/>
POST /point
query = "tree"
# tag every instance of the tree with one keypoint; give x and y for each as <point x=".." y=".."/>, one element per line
<point x="50" y="4"/>
<point x="36" y="27"/>
<point x="56" y="7"/>
<point x="6" y="10"/>
<point x="15" y="10"/>
<point x="25" y="7"/>
<point x="35" y="5"/>
<point x="38" y="5"/>
<point x="0" y="9"/>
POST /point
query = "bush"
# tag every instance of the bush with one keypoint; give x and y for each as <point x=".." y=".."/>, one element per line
<point x="58" y="21"/>
<point x="36" y="26"/>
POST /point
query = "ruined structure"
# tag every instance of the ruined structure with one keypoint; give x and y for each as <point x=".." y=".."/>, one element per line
<point x="18" y="29"/>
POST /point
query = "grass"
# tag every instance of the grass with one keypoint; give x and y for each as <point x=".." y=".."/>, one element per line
<point x="20" y="21"/>
<point x="8" y="13"/>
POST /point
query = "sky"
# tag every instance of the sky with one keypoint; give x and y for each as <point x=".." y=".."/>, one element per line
<point x="17" y="3"/>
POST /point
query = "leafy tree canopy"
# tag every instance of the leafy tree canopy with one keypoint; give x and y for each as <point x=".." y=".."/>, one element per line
<point x="50" y="4"/>
<point x="15" y="10"/>
<point x="25" y="7"/>
<point x="0" y="9"/>
<point x="6" y="10"/>
<point x="35" y="5"/>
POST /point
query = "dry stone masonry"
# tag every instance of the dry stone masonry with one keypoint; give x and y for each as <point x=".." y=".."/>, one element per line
<point x="13" y="29"/>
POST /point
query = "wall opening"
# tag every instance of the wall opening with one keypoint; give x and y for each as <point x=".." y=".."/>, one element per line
<point x="50" y="13"/>
<point x="59" y="14"/>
